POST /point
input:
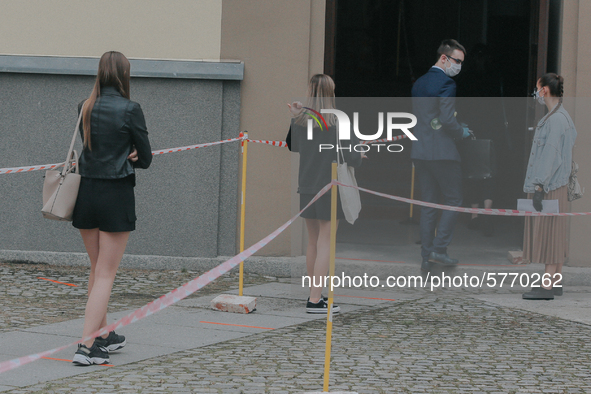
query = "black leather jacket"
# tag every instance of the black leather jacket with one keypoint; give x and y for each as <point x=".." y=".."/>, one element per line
<point x="116" y="126"/>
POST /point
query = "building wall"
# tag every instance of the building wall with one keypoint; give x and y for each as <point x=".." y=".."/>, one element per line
<point x="576" y="70"/>
<point x="281" y="44"/>
<point x="284" y="47"/>
<point x="186" y="202"/>
<point x="182" y="200"/>
<point x="156" y="29"/>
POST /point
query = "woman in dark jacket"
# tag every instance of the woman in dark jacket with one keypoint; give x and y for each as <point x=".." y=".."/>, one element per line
<point x="314" y="174"/>
<point x="115" y="142"/>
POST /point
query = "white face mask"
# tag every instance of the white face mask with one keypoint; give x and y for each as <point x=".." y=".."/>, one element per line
<point x="538" y="97"/>
<point x="453" y="70"/>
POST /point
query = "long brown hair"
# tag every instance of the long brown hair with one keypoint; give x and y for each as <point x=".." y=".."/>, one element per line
<point x="113" y="70"/>
<point x="320" y="96"/>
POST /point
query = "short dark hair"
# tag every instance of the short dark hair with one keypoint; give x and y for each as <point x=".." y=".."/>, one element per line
<point x="448" y="46"/>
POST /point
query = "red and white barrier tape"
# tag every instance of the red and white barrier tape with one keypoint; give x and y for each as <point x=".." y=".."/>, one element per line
<point x="190" y="147"/>
<point x="13" y="170"/>
<point x="482" y="211"/>
<point x="170" y="298"/>
<point x="282" y="144"/>
<point x="196" y="284"/>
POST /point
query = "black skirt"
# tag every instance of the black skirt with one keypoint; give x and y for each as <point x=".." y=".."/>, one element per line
<point x="321" y="208"/>
<point x="106" y="204"/>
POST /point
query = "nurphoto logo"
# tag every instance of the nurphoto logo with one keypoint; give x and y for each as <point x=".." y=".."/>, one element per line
<point x="344" y="129"/>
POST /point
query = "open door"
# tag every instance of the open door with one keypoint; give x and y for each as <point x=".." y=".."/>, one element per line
<point x="538" y="61"/>
<point x="378" y="49"/>
<point x="330" y="35"/>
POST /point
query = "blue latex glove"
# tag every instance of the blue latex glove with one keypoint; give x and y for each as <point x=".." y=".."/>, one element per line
<point x="466" y="132"/>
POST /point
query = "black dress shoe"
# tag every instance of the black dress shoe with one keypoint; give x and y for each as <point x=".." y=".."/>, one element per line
<point x="539" y="293"/>
<point x="442" y="258"/>
<point x="426" y="266"/>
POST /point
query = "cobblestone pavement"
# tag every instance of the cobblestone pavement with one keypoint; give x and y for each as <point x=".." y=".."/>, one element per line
<point x="28" y="301"/>
<point x="441" y="342"/>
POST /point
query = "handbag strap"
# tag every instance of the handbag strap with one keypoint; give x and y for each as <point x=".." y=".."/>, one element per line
<point x="69" y="157"/>
<point x="339" y="149"/>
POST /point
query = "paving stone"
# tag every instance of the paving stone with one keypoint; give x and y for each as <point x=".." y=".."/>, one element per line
<point x="433" y="342"/>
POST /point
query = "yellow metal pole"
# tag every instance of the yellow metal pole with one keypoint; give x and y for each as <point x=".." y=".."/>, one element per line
<point x="412" y="188"/>
<point x="242" y="210"/>
<point x="333" y="244"/>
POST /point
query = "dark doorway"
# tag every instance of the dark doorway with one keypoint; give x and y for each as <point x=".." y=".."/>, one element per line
<point x="379" y="48"/>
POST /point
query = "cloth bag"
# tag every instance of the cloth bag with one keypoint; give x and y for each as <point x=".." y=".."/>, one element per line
<point x="350" y="199"/>
<point x="574" y="190"/>
<point x="478" y="159"/>
<point x="60" y="188"/>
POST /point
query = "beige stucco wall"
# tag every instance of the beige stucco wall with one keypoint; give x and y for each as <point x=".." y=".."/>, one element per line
<point x="283" y="48"/>
<point x="155" y="29"/>
<point x="575" y="67"/>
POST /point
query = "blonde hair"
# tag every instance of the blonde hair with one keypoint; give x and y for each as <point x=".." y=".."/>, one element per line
<point x="320" y="96"/>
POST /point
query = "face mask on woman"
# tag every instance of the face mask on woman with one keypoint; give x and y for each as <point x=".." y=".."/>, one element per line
<point x="538" y="97"/>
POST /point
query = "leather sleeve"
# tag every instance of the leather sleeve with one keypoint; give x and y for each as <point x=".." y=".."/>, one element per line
<point x="288" y="139"/>
<point x="294" y="136"/>
<point x="139" y="136"/>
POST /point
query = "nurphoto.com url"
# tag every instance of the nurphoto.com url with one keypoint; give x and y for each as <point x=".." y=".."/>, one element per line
<point x="435" y="281"/>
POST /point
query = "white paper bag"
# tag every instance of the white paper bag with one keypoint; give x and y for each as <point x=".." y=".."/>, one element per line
<point x="548" y="206"/>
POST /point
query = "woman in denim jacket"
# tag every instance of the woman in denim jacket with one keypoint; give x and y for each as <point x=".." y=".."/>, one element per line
<point x="547" y="176"/>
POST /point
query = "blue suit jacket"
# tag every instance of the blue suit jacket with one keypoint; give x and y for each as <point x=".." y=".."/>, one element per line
<point x="433" y="96"/>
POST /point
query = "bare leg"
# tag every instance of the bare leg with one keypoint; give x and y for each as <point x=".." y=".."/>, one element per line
<point x="322" y="258"/>
<point x="111" y="247"/>
<point x="91" y="242"/>
<point x="556" y="279"/>
<point x="552" y="269"/>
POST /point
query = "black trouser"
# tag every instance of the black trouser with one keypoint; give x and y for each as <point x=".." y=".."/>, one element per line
<point x="440" y="182"/>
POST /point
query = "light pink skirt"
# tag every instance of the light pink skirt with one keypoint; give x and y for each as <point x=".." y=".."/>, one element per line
<point x="546" y="238"/>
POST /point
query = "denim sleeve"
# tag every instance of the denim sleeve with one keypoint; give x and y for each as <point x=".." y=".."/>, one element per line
<point x="549" y="157"/>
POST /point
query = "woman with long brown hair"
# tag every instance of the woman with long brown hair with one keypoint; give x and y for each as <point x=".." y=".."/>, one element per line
<point x="314" y="174"/>
<point x="115" y="141"/>
<point x="548" y="171"/>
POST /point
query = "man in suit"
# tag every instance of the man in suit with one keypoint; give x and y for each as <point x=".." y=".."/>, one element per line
<point x="435" y="155"/>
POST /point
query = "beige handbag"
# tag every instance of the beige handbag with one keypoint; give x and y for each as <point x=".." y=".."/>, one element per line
<point x="350" y="199"/>
<point x="60" y="188"/>
<point x="574" y="190"/>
